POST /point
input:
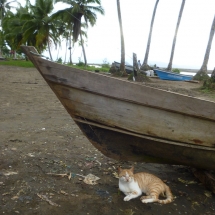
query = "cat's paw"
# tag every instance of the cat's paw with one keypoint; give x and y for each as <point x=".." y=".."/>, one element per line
<point x="143" y="197"/>
<point x="147" y="200"/>
<point x="127" y="198"/>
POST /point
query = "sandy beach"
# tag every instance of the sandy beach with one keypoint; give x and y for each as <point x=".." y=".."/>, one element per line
<point x="39" y="141"/>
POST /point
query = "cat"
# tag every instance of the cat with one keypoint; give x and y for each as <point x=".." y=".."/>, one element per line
<point x="133" y="185"/>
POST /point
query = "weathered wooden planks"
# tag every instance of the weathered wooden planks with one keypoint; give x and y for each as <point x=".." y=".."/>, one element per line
<point x="136" y="118"/>
<point x="165" y="125"/>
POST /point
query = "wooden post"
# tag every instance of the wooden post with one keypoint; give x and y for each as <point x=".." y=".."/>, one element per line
<point x="135" y="66"/>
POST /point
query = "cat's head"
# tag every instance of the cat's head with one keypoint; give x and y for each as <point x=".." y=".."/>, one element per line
<point x="126" y="175"/>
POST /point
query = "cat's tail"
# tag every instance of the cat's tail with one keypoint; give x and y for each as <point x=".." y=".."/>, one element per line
<point x="169" y="196"/>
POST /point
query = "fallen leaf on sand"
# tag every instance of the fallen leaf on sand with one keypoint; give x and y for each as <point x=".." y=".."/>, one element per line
<point x="31" y="155"/>
<point x="15" y="197"/>
<point x="115" y="174"/>
<point x="45" y="198"/>
<point x="4" y="194"/>
<point x="6" y="173"/>
<point x="208" y="194"/>
<point x="186" y="182"/>
<point x="64" y="193"/>
<point x="91" y="179"/>
<point x="195" y="204"/>
<point x="62" y="175"/>
<point x="70" y="176"/>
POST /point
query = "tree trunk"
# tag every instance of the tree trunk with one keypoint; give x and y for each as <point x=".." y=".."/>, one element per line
<point x="145" y="62"/>
<point x="213" y="75"/>
<point x="49" y="50"/>
<point x="66" y="50"/>
<point x="202" y="73"/>
<point x="70" y="48"/>
<point x="169" y="68"/>
<point x="135" y="66"/>
<point x="1" y="34"/>
<point x="58" y="53"/>
<point x="122" y="65"/>
<point x="83" y="49"/>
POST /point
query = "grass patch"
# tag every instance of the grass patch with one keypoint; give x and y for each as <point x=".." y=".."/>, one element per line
<point x="91" y="68"/>
<point x="19" y="63"/>
<point x="208" y="86"/>
<point x="176" y="70"/>
<point x="27" y="64"/>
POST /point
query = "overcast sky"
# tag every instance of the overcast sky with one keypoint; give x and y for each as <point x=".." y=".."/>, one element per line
<point x="104" y="38"/>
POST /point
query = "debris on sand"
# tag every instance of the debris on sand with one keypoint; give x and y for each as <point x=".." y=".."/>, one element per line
<point x="7" y="173"/>
<point x="205" y="177"/>
<point x="115" y="174"/>
<point x="91" y="179"/>
<point x="45" y="198"/>
<point x="69" y="175"/>
<point x="186" y="182"/>
<point x="88" y="179"/>
<point x="64" y="193"/>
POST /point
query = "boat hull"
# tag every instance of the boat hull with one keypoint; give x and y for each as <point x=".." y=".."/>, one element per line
<point x="124" y="147"/>
<point x="130" y="121"/>
<point x="129" y="69"/>
<point x="171" y="76"/>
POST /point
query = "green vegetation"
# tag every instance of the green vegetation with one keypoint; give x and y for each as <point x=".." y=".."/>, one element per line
<point x="176" y="70"/>
<point x="105" y="64"/>
<point x="37" y="25"/>
<point x="20" y="63"/>
<point x="90" y="68"/>
<point x="80" y="65"/>
<point x="208" y="85"/>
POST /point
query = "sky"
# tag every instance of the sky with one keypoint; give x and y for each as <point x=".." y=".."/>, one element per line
<point x="104" y="38"/>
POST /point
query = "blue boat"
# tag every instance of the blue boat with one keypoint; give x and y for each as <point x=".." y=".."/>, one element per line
<point x="172" y="76"/>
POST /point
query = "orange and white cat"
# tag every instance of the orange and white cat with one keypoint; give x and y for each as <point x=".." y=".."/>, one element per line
<point x="133" y="185"/>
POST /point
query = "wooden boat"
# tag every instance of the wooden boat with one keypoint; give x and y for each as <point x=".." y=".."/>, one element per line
<point x="130" y="121"/>
<point x="128" y="68"/>
<point x="172" y="76"/>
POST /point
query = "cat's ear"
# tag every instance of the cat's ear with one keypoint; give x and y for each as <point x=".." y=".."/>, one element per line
<point x="132" y="169"/>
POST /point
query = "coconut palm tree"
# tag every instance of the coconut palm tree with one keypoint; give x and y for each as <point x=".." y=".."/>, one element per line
<point x="169" y="68"/>
<point x="202" y="73"/>
<point x="122" y="64"/>
<point x="213" y="75"/>
<point x="67" y="18"/>
<point x="40" y="25"/>
<point x="82" y="8"/>
<point x="4" y="7"/>
<point x="12" y="26"/>
<point x="145" y="66"/>
<point x="82" y="42"/>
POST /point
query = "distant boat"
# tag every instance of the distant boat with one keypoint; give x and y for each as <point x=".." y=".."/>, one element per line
<point x="128" y="68"/>
<point x="172" y="76"/>
<point x="130" y="121"/>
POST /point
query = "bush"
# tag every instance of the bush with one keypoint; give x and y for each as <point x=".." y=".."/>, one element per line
<point x="105" y="64"/>
<point x="80" y="63"/>
<point x="59" y="60"/>
<point x="176" y="70"/>
<point x="208" y="85"/>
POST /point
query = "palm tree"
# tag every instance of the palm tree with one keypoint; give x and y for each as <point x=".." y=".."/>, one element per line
<point x="145" y="66"/>
<point x="83" y="33"/>
<point x="83" y="8"/>
<point x="67" y="18"/>
<point x="12" y="26"/>
<point x="122" y="64"/>
<point x="40" y="25"/>
<point x="4" y="7"/>
<point x="169" y="68"/>
<point x="202" y="73"/>
<point x="213" y="75"/>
